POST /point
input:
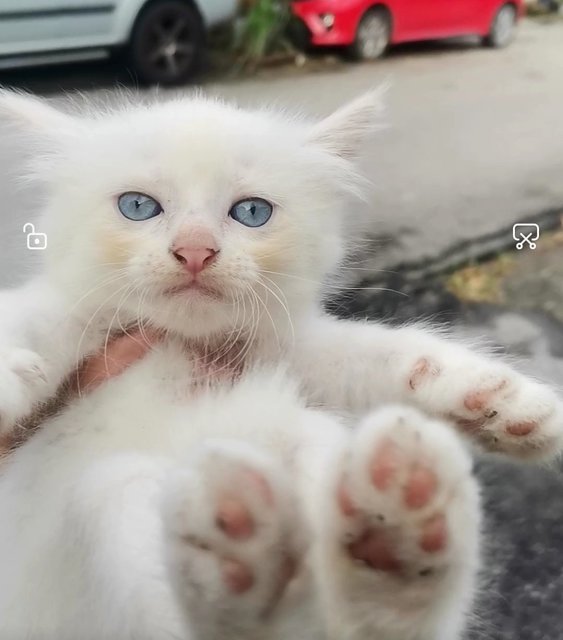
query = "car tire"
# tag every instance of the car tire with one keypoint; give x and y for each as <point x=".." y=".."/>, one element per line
<point x="167" y="42"/>
<point x="503" y="27"/>
<point x="372" y="35"/>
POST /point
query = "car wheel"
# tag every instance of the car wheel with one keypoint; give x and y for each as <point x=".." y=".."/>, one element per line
<point x="166" y="43"/>
<point x="503" y="27"/>
<point x="372" y="36"/>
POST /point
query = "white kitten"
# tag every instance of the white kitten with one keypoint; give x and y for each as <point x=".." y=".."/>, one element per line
<point x="199" y="495"/>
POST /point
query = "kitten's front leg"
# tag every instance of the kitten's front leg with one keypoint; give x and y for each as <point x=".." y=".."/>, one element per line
<point x="356" y="366"/>
<point x="398" y="532"/>
<point x="489" y="401"/>
<point x="22" y="379"/>
<point x="40" y="343"/>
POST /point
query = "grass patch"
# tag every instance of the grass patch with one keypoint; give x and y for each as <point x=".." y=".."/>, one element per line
<point x="482" y="282"/>
<point x="261" y="34"/>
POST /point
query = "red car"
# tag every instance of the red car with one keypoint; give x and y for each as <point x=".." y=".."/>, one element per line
<point x="368" y="27"/>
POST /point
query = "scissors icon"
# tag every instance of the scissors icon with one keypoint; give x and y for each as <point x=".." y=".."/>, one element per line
<point x="526" y="233"/>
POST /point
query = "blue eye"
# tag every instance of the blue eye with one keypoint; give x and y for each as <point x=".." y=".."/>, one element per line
<point x="252" y="213"/>
<point x="138" y="206"/>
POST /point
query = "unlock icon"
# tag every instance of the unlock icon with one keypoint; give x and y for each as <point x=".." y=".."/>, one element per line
<point x="35" y="241"/>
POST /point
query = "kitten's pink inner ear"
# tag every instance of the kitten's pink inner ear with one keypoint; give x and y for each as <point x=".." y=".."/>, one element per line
<point x="195" y="248"/>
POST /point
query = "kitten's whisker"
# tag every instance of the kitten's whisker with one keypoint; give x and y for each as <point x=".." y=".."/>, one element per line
<point x="283" y="302"/>
<point x="247" y="331"/>
<point x="122" y="301"/>
<point x="251" y="337"/>
<point x="85" y="330"/>
<point x="94" y="314"/>
<point x="238" y="357"/>
<point x="140" y="316"/>
<point x="100" y="265"/>
<point x="265" y="307"/>
<point x="112" y="278"/>
<point x="325" y="285"/>
<point x="351" y="267"/>
<point x="380" y="289"/>
<point x="284" y="305"/>
<point x="225" y="347"/>
<point x="222" y="348"/>
<point x="236" y="333"/>
<point x="142" y="322"/>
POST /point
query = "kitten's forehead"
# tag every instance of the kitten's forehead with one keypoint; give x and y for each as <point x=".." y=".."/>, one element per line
<point x="203" y="144"/>
<point x="202" y="125"/>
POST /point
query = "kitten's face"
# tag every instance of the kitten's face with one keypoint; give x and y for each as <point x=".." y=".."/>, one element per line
<point x="196" y="215"/>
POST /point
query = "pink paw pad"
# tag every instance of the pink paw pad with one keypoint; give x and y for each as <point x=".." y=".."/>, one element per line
<point x="347" y="506"/>
<point x="434" y="534"/>
<point x="260" y="485"/>
<point x="423" y="369"/>
<point x="235" y="519"/>
<point x="521" y="428"/>
<point x="375" y="549"/>
<point x="421" y="483"/>
<point x="237" y="576"/>
<point x="387" y="462"/>
<point x="420" y="488"/>
<point x="480" y="400"/>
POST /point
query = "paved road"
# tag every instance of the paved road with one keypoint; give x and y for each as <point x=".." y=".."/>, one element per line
<point x="476" y="141"/>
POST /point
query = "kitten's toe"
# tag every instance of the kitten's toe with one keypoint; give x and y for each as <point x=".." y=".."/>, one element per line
<point x="407" y="499"/>
<point x="235" y="519"/>
<point x="517" y="416"/>
<point x="22" y="372"/>
<point x="232" y="522"/>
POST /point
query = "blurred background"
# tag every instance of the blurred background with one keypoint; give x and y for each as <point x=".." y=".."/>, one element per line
<point x="474" y="147"/>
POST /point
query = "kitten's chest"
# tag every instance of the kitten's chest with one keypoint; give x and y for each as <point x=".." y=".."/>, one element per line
<point x="219" y="363"/>
<point x="190" y="367"/>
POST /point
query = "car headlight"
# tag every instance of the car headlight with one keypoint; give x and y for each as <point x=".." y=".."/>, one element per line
<point x="327" y="20"/>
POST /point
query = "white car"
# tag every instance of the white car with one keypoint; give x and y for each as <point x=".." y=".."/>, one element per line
<point x="163" y="39"/>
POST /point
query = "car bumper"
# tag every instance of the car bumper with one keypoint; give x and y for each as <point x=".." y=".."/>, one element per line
<point x="324" y="25"/>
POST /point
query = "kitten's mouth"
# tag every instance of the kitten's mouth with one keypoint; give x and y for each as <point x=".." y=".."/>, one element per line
<point x="193" y="288"/>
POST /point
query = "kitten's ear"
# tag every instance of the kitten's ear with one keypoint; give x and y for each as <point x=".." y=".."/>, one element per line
<point x="343" y="132"/>
<point x="33" y="116"/>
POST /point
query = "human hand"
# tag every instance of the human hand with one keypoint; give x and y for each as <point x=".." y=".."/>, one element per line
<point x="120" y="353"/>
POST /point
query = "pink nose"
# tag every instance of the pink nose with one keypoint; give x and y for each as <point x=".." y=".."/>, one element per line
<point x="195" y="259"/>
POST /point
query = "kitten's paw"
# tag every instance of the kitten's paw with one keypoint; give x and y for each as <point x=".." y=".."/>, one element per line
<point x="234" y="529"/>
<point x="501" y="408"/>
<point x="407" y="500"/>
<point x="22" y="373"/>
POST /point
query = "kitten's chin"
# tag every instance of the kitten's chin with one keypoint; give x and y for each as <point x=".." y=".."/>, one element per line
<point x="189" y="311"/>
